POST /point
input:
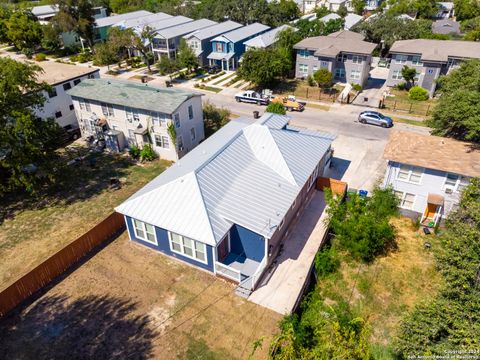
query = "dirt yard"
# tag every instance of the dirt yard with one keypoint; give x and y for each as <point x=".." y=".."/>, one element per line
<point x="34" y="228"/>
<point x="132" y="302"/>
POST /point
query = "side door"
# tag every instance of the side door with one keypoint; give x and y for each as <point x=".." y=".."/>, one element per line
<point x="373" y="119"/>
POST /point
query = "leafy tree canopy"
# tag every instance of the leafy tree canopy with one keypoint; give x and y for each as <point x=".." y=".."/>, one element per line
<point x="214" y="117"/>
<point x="24" y="31"/>
<point x="263" y="66"/>
<point x="457" y="113"/>
<point x="76" y="16"/>
<point x="27" y="143"/>
<point x="323" y="78"/>
<point x="276" y="108"/>
<point x="186" y="56"/>
<point x="466" y="9"/>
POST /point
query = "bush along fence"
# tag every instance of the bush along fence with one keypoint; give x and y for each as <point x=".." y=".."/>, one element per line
<point x="408" y="107"/>
<point x="60" y="262"/>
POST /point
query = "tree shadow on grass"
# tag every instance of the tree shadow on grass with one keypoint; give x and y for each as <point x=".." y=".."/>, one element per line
<point x="90" y="327"/>
<point x="76" y="182"/>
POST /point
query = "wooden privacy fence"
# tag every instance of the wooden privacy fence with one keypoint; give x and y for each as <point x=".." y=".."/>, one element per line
<point x="337" y="186"/>
<point x="314" y="94"/>
<point x="58" y="263"/>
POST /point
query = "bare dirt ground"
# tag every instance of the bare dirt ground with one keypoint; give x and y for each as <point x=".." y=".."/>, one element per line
<point x="131" y="302"/>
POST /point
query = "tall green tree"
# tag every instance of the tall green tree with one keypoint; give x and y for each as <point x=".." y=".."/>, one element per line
<point x="105" y="54"/>
<point x="24" y="31"/>
<point x="358" y="6"/>
<point x="457" y="113"/>
<point x="409" y="74"/>
<point x="285" y="41"/>
<point x="466" y="9"/>
<point x="451" y="320"/>
<point x="323" y="78"/>
<point x="263" y="66"/>
<point x="186" y="56"/>
<point x="76" y="16"/>
<point x="122" y="39"/>
<point x="342" y="10"/>
<point x="5" y="14"/>
<point x="321" y="11"/>
<point x="27" y="143"/>
<point x="51" y="38"/>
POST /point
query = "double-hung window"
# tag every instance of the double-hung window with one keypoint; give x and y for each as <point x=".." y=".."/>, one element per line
<point x="355" y="74"/>
<point x="397" y="75"/>
<point x="144" y="231"/>
<point x="162" y="141"/>
<point x="409" y="173"/>
<point x="188" y="247"/>
<point x="416" y="60"/>
<point x="192" y="134"/>
<point x="107" y="109"/>
<point x="356" y="59"/>
<point x="303" y="53"/>
<point x="176" y="120"/>
<point x="455" y="182"/>
<point x="339" y="73"/>
<point x="303" y="68"/>
<point x="401" y="59"/>
<point x="406" y="199"/>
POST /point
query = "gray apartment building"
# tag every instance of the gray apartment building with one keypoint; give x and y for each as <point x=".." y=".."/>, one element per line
<point x="344" y="53"/>
<point x="431" y="58"/>
<point x="199" y="40"/>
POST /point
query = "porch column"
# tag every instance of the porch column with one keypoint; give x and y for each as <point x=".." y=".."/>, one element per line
<point x="228" y="65"/>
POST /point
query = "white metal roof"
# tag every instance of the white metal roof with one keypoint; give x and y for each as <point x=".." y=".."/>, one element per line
<point x="183" y="29"/>
<point x="242" y="33"/>
<point x="214" y="30"/>
<point x="266" y="39"/>
<point x="112" y="20"/>
<point x="142" y="20"/>
<point x="247" y="174"/>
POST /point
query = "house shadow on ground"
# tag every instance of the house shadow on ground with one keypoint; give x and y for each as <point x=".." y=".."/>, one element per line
<point x="338" y="168"/>
<point x="90" y="327"/>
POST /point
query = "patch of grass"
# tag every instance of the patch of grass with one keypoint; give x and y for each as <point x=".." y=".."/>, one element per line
<point x="409" y="121"/>
<point x="212" y="88"/>
<point x="239" y="84"/>
<point x="386" y="289"/>
<point x="318" y="106"/>
<point x="35" y="229"/>
<point x="223" y="79"/>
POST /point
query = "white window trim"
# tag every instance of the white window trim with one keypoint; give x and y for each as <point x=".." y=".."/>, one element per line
<point x="402" y="199"/>
<point x="357" y="75"/>
<point x="194" y="249"/>
<point x="457" y="182"/>
<point x="403" y="57"/>
<point x="144" y="228"/>
<point x="410" y="175"/>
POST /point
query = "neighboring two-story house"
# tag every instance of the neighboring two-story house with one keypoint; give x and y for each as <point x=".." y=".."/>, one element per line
<point x="58" y="104"/>
<point x="228" y="48"/>
<point x="226" y="206"/>
<point x="344" y="53"/>
<point x="199" y="40"/>
<point x="102" y="25"/>
<point x="167" y="40"/>
<point x="428" y="173"/>
<point x="125" y="113"/>
<point x="266" y="39"/>
<point x="45" y="13"/>
<point x="431" y="58"/>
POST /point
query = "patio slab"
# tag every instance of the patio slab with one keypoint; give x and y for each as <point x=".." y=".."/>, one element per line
<point x="285" y="285"/>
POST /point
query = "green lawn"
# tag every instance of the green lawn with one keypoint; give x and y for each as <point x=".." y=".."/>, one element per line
<point x="212" y="88"/>
<point x="34" y="229"/>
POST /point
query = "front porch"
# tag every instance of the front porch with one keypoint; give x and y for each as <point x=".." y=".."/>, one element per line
<point x="433" y="210"/>
<point x="225" y="61"/>
<point x="241" y="258"/>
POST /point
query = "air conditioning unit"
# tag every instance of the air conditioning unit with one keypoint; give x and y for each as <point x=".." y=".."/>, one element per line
<point x="448" y="190"/>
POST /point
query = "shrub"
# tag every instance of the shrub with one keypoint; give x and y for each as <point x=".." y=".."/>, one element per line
<point x="73" y="58"/>
<point x="357" y="87"/>
<point x="323" y="78"/>
<point x="276" y="108"/>
<point x="400" y="86"/>
<point x="326" y="262"/>
<point x="84" y="56"/>
<point x="40" y="57"/>
<point x="310" y="81"/>
<point x="418" y="93"/>
<point x="134" y="151"/>
<point x="147" y="153"/>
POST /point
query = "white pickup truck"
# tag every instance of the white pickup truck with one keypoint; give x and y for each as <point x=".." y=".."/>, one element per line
<point x="251" y="97"/>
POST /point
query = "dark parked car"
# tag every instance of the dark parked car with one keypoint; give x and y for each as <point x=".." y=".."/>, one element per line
<point x="213" y="69"/>
<point x="375" y="118"/>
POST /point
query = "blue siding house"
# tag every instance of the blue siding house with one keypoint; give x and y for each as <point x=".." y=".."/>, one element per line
<point x="428" y="173"/>
<point x="225" y="206"/>
<point x="228" y="48"/>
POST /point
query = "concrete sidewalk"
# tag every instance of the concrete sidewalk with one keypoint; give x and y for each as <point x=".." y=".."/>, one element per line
<point x="285" y="285"/>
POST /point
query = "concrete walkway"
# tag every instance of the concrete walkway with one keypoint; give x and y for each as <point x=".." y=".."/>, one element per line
<point x="284" y="286"/>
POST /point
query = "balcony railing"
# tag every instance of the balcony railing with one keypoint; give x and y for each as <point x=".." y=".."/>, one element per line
<point x="228" y="271"/>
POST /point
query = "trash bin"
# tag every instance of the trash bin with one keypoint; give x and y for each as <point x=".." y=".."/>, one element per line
<point x="256" y="115"/>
